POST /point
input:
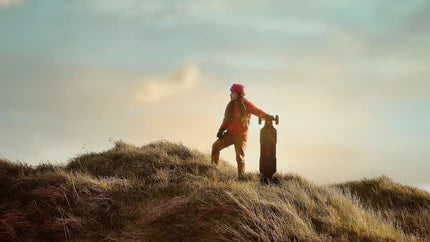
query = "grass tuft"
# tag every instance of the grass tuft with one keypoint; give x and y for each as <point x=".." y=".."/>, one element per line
<point x="164" y="191"/>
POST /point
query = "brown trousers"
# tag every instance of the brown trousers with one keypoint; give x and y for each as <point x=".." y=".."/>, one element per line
<point x="239" y="146"/>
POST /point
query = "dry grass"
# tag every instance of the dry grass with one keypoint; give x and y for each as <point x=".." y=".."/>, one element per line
<point x="164" y="191"/>
<point x="407" y="207"/>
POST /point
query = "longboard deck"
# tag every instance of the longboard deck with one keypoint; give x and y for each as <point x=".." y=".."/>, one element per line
<point x="268" y="139"/>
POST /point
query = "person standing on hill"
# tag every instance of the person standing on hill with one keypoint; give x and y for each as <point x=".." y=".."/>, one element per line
<point x="236" y="121"/>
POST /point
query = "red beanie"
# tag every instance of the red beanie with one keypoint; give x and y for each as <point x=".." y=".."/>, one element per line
<point x="238" y="88"/>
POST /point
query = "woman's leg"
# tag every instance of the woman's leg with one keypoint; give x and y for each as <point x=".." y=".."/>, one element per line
<point x="239" y="147"/>
<point x="220" y="144"/>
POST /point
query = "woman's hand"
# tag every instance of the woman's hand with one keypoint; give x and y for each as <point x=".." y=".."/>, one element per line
<point x="220" y="133"/>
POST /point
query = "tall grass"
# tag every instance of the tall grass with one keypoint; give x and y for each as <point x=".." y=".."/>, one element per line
<point x="165" y="191"/>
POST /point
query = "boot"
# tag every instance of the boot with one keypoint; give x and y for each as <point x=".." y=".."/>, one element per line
<point x="214" y="160"/>
<point x="241" y="171"/>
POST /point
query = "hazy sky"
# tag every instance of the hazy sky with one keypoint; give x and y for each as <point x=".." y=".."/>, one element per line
<point x="350" y="80"/>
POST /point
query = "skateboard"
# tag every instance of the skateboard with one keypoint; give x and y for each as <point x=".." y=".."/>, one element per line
<point x="268" y="139"/>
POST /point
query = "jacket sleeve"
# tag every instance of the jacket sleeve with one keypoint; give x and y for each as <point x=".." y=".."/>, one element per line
<point x="223" y="125"/>
<point x="254" y="110"/>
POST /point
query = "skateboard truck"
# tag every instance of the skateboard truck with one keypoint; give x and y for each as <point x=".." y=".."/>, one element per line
<point x="268" y="139"/>
<point x="276" y="119"/>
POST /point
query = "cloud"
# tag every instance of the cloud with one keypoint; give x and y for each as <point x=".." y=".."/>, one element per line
<point x="161" y="9"/>
<point x="153" y="90"/>
<point x="6" y="3"/>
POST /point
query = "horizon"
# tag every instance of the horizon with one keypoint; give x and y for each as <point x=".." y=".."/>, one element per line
<point x="349" y="81"/>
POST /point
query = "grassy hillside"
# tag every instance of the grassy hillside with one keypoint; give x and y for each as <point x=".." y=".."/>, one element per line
<point x="166" y="192"/>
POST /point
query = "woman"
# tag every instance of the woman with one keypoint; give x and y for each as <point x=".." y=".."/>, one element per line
<point x="236" y="121"/>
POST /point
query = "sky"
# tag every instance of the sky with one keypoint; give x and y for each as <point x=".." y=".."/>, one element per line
<point x="350" y="80"/>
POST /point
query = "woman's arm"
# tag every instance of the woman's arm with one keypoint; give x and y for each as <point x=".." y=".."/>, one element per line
<point x="224" y="124"/>
<point x="254" y="110"/>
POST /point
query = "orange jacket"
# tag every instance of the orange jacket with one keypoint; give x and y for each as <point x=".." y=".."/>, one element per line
<point x="236" y="127"/>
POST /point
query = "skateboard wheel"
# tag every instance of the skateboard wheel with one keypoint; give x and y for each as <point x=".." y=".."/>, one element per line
<point x="259" y="120"/>
<point x="277" y="119"/>
<point x="265" y="180"/>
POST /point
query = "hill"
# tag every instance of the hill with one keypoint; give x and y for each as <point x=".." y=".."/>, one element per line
<point x="165" y="191"/>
